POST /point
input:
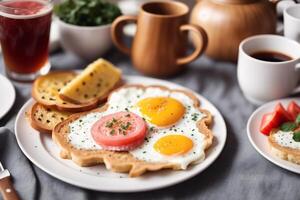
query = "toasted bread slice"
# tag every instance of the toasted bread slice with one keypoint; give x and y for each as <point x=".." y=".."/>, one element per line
<point x="122" y="161"/>
<point x="45" y="119"/>
<point x="93" y="84"/>
<point x="284" y="151"/>
<point x="46" y="89"/>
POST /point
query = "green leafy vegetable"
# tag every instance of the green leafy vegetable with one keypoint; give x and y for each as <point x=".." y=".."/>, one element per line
<point x="87" y="12"/>
<point x="288" y="126"/>
<point x="296" y="136"/>
<point x="298" y="119"/>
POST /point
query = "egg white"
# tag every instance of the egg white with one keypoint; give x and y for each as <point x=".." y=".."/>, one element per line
<point x="285" y="139"/>
<point x="126" y="99"/>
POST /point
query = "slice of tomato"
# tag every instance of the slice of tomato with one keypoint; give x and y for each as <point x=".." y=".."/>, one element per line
<point x="270" y="121"/>
<point x="286" y="116"/>
<point x="121" y="131"/>
<point x="294" y="109"/>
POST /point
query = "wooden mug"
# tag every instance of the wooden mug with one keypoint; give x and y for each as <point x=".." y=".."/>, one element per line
<point x="160" y="43"/>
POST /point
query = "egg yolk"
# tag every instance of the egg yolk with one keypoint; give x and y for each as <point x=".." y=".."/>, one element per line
<point x="172" y="145"/>
<point x="161" y="111"/>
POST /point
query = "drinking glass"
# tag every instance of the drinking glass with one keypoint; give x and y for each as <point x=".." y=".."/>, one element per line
<point x="24" y="37"/>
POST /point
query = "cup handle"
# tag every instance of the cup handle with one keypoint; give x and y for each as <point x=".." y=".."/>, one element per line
<point x="117" y="32"/>
<point x="297" y="67"/>
<point x="200" y="41"/>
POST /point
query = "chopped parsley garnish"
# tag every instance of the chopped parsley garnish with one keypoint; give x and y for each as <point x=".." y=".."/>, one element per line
<point x="288" y="126"/>
<point x="126" y="127"/>
<point x="195" y="116"/>
<point x="296" y="136"/>
<point x="109" y="124"/>
<point x="112" y="132"/>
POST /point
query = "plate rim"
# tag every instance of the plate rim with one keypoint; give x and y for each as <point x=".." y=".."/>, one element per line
<point x="72" y="182"/>
<point x="12" y="88"/>
<point x="279" y="163"/>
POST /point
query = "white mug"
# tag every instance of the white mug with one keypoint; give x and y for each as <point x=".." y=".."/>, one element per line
<point x="291" y="18"/>
<point x="263" y="81"/>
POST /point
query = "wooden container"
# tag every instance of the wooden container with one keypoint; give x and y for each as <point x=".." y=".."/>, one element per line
<point x="160" y="43"/>
<point x="228" y="22"/>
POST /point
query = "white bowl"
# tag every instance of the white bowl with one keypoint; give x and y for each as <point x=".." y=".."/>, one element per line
<point x="85" y="42"/>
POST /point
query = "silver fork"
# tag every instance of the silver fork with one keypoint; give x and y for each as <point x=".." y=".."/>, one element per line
<point x="6" y="187"/>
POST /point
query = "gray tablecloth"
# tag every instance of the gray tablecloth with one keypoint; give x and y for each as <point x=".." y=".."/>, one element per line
<point x="239" y="173"/>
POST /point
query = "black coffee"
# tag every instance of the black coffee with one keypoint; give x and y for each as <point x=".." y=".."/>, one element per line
<point x="271" y="56"/>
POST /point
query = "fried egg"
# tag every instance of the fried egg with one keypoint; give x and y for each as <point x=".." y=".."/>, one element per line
<point x="171" y="117"/>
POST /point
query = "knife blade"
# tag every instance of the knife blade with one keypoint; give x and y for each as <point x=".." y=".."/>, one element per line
<point x="6" y="187"/>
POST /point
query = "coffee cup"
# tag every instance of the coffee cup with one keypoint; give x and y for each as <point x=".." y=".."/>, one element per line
<point x="291" y="19"/>
<point x="268" y="67"/>
<point x="160" y="43"/>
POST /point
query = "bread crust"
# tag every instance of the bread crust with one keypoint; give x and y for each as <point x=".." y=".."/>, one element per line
<point x="285" y="153"/>
<point x="39" y="125"/>
<point x="68" y="106"/>
<point x="122" y="161"/>
<point x="35" y="124"/>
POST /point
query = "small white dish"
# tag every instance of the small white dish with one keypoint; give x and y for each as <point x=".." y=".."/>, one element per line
<point x="260" y="141"/>
<point x="8" y="95"/>
<point x="85" y="42"/>
<point x="44" y="153"/>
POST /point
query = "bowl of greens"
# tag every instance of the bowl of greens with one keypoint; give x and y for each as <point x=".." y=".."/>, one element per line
<point x="84" y="26"/>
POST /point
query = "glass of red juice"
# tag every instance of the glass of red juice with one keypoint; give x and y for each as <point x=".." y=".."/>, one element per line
<point x="24" y="37"/>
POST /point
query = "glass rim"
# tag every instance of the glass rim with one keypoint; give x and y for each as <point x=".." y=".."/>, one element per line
<point x="7" y="10"/>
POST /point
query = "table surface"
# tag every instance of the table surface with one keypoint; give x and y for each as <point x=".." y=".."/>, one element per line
<point x="239" y="173"/>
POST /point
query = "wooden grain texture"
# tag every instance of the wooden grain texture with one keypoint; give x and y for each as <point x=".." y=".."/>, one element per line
<point x="7" y="190"/>
<point x="159" y="46"/>
<point x="228" y="22"/>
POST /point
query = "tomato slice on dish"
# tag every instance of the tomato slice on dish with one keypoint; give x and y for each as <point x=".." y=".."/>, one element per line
<point x="286" y="116"/>
<point x="121" y="131"/>
<point x="270" y="121"/>
<point x="294" y="109"/>
<point x="274" y="120"/>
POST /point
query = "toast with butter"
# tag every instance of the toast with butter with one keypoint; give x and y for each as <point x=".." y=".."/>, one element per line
<point x="284" y="146"/>
<point x="45" y="90"/>
<point x="45" y="119"/>
<point x="93" y="84"/>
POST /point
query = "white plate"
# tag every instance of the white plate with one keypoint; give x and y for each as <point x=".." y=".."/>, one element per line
<point x="42" y="151"/>
<point x="260" y="141"/>
<point x="8" y="95"/>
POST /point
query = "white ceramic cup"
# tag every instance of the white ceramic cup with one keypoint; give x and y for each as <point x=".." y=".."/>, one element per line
<point x="291" y="17"/>
<point x="263" y="81"/>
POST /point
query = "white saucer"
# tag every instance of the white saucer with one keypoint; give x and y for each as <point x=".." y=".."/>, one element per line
<point x="8" y="95"/>
<point x="44" y="153"/>
<point x="260" y="141"/>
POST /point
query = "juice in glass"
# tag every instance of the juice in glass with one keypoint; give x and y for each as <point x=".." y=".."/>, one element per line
<point x="24" y="37"/>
